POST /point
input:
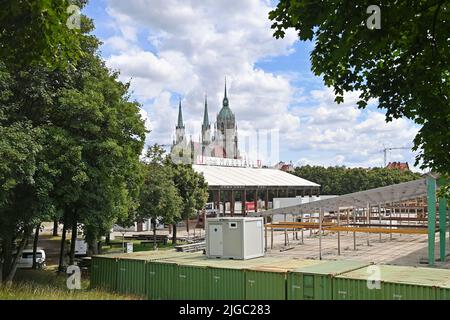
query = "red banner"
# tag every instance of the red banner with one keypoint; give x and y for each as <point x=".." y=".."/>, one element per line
<point x="250" y="206"/>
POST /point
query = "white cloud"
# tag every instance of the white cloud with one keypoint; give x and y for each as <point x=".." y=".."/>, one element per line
<point x="332" y="134"/>
<point x="185" y="48"/>
<point x="193" y="46"/>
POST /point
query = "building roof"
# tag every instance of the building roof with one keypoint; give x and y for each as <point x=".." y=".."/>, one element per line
<point x="393" y="193"/>
<point x="240" y="178"/>
<point x="398" y="165"/>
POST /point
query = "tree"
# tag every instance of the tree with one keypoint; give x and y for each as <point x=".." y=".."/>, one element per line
<point x="193" y="190"/>
<point x="159" y="198"/>
<point x="19" y="168"/>
<point x="37" y="31"/>
<point x="96" y="113"/>
<point x="405" y="64"/>
<point x="70" y="143"/>
<point x="342" y="180"/>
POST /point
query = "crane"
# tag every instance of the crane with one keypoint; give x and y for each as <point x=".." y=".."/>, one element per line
<point x="385" y="150"/>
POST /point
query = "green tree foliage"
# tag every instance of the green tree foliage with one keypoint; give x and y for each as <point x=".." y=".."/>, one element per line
<point x="192" y="189"/>
<point x="20" y="186"/>
<point x="405" y="65"/>
<point x="70" y="141"/>
<point x="342" y="180"/>
<point x="36" y="31"/>
<point x="159" y="198"/>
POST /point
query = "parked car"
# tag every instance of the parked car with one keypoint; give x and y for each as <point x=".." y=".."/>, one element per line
<point x="26" y="260"/>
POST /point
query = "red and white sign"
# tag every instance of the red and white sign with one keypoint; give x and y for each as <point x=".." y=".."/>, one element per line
<point x="249" y="206"/>
<point x="226" y="162"/>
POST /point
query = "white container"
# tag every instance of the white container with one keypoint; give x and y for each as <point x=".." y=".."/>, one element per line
<point x="235" y="237"/>
<point x="80" y="247"/>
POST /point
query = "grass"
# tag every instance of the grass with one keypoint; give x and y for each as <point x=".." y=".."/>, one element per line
<point x="48" y="285"/>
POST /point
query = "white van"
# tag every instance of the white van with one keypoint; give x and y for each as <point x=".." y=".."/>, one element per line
<point x="26" y="260"/>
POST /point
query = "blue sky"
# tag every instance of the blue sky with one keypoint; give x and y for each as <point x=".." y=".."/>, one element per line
<point x="184" y="48"/>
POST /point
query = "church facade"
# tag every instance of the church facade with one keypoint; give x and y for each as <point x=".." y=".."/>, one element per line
<point x="220" y="142"/>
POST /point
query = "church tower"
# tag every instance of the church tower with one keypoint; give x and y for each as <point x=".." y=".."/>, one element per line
<point x="206" y="128"/>
<point x="179" y="129"/>
<point x="226" y="130"/>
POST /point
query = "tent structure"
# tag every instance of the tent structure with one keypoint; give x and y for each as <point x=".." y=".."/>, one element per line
<point x="380" y="198"/>
<point x="219" y="177"/>
<point x="262" y="183"/>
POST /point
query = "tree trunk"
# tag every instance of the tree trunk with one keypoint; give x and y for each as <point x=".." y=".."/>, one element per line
<point x="55" y="227"/>
<point x="63" y="244"/>
<point x="187" y="226"/>
<point x="94" y="247"/>
<point x="108" y="238"/>
<point x="154" y="233"/>
<point x="7" y="256"/>
<point x="35" y="244"/>
<point x="12" y="272"/>
<point x="1" y="270"/>
<point x="99" y="247"/>
<point x="73" y="239"/>
<point x="174" y="234"/>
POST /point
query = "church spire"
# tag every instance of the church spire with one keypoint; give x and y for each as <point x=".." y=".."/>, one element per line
<point x="225" y="98"/>
<point x="180" y="116"/>
<point x="205" y="114"/>
<point x="225" y="95"/>
<point x="206" y="135"/>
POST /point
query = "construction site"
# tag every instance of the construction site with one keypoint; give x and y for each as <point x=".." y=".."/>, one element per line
<point x="323" y="249"/>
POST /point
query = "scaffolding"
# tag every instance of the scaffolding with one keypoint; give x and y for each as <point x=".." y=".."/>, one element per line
<point x="405" y="208"/>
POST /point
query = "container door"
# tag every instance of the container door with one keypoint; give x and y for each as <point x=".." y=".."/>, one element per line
<point x="215" y="240"/>
<point x="308" y="287"/>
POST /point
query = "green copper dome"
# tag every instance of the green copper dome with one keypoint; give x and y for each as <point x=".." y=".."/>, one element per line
<point x="225" y="113"/>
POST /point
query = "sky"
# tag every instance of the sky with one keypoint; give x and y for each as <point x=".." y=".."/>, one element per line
<point x="184" y="49"/>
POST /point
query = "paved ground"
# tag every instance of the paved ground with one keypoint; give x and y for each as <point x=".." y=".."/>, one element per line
<point x="401" y="250"/>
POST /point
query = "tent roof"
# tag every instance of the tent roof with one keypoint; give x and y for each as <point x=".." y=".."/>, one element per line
<point x="393" y="193"/>
<point x="239" y="178"/>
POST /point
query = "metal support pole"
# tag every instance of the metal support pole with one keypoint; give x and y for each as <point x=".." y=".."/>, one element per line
<point x="232" y="202"/>
<point x="339" y="233"/>
<point x="400" y="216"/>
<point x="348" y="218"/>
<point x="302" y="228"/>
<point x="218" y="202"/>
<point x="265" y="233"/>
<point x="379" y="217"/>
<point x="266" y="200"/>
<point x="431" y="202"/>
<point x="368" y="224"/>
<point x="271" y="233"/>
<point x="391" y="216"/>
<point x="320" y="234"/>
<point x="354" y="233"/>
<point x="442" y="223"/>
<point x="224" y="203"/>
<point x="244" y="200"/>
<point x="285" y="232"/>
<point x="295" y="229"/>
